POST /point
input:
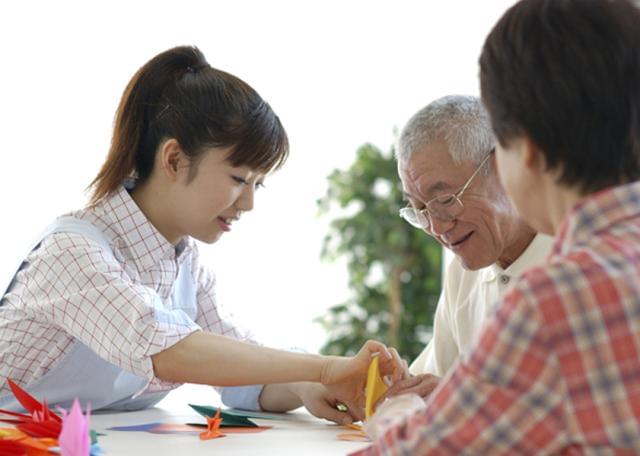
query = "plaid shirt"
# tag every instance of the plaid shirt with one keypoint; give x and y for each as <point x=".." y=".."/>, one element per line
<point x="71" y="289"/>
<point x="557" y="368"/>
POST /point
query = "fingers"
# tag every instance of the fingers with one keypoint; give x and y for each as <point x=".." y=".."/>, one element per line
<point x="398" y="374"/>
<point x="422" y="385"/>
<point x="373" y="347"/>
<point x="355" y="411"/>
<point x="426" y="387"/>
<point x="394" y="367"/>
<point x="328" y="412"/>
<point x="401" y="387"/>
<point x="406" y="373"/>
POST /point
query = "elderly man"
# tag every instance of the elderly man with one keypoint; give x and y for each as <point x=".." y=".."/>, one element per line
<point x="556" y="369"/>
<point x="448" y="175"/>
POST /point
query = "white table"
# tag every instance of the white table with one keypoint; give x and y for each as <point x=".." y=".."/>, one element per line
<point x="297" y="432"/>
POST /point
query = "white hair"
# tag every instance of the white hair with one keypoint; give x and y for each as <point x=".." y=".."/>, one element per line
<point x="459" y="120"/>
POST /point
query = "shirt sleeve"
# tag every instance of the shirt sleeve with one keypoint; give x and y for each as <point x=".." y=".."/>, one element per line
<point x="505" y="396"/>
<point x="442" y="350"/>
<point x="214" y="318"/>
<point x="83" y="290"/>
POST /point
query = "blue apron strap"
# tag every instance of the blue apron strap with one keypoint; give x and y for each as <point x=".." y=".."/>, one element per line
<point x="81" y="372"/>
<point x="66" y="224"/>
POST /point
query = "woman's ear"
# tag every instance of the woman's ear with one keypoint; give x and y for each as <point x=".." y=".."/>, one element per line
<point x="171" y="158"/>
<point x="532" y="156"/>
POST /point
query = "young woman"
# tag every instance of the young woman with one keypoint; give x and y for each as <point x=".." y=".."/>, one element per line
<point x="113" y="306"/>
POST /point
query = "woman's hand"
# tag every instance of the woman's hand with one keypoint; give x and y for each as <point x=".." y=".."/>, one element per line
<point x="321" y="403"/>
<point x="346" y="378"/>
<point x="340" y="369"/>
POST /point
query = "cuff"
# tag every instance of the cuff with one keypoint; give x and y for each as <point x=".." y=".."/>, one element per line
<point x="165" y="329"/>
<point x="242" y="397"/>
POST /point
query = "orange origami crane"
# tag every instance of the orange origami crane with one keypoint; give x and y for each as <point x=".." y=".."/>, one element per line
<point x="213" y="428"/>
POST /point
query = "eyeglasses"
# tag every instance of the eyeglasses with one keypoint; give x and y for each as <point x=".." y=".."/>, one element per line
<point x="444" y="207"/>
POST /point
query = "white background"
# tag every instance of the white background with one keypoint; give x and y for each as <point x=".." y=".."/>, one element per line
<point x="338" y="73"/>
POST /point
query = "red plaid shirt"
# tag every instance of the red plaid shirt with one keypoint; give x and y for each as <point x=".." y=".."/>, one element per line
<point x="71" y="289"/>
<point x="557" y="368"/>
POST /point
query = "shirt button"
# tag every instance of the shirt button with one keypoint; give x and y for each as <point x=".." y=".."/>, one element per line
<point x="504" y="279"/>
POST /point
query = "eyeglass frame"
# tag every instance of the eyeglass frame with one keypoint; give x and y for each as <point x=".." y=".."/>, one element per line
<point x="426" y="214"/>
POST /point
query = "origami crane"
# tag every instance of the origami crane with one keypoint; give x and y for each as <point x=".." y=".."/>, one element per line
<point x="42" y="431"/>
<point x="40" y="422"/>
<point x="213" y="428"/>
<point x="74" y="439"/>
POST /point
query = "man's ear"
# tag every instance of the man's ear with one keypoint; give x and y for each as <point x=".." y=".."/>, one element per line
<point x="171" y="158"/>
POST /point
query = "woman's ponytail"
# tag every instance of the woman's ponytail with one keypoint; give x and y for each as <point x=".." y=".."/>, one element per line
<point x="177" y="94"/>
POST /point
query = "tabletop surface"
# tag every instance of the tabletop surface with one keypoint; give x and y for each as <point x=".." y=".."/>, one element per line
<point x="296" y="432"/>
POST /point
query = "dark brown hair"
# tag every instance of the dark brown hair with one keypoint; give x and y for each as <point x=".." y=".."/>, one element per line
<point x="177" y="94"/>
<point x="567" y="74"/>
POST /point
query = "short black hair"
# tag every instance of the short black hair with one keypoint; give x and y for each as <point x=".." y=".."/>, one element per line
<point x="567" y="74"/>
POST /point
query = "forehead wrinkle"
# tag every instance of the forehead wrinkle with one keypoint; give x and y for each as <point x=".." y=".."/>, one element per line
<point x="419" y="176"/>
<point x="427" y="193"/>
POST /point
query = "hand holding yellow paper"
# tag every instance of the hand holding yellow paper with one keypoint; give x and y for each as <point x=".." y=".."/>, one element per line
<point x="373" y="390"/>
<point x="375" y="387"/>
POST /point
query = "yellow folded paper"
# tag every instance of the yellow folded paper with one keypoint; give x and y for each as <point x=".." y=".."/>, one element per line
<point x="375" y="387"/>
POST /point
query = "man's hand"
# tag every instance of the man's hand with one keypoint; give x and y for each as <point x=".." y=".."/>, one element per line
<point x="422" y="385"/>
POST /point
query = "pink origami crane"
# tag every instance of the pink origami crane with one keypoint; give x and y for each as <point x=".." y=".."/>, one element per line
<point x="74" y="439"/>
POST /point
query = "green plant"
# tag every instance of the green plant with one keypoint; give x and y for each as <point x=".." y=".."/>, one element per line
<point x="394" y="269"/>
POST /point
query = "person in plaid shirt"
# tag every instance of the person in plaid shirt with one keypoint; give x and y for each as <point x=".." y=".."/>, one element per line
<point x="557" y="367"/>
<point x="113" y="306"/>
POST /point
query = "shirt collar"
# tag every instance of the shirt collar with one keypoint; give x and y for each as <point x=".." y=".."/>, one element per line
<point x="597" y="212"/>
<point x="535" y="253"/>
<point x="135" y="234"/>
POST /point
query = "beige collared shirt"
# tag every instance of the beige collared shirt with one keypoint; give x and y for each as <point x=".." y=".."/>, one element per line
<point x="468" y="298"/>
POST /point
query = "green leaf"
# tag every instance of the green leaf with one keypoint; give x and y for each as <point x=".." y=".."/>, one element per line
<point x="374" y="236"/>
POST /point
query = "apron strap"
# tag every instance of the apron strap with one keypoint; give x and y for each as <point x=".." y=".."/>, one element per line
<point x="64" y="224"/>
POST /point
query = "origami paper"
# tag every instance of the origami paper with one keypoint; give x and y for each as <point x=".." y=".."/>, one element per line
<point x="357" y="436"/>
<point x="41" y="422"/>
<point x="38" y="432"/>
<point x="249" y="414"/>
<point x="353" y="437"/>
<point x="11" y="447"/>
<point x="227" y="430"/>
<point x="189" y="428"/>
<point x="355" y="427"/>
<point x="14" y="441"/>
<point x="74" y="438"/>
<point x="375" y="387"/>
<point x="233" y="417"/>
<point x="227" y="419"/>
<point x="136" y="427"/>
<point x="213" y="428"/>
